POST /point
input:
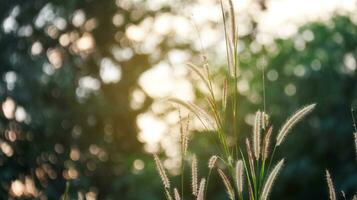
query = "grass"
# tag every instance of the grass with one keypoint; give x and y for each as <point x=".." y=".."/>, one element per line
<point x="248" y="173"/>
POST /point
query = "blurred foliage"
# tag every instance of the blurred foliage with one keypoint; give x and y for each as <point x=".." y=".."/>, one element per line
<point x="64" y="121"/>
<point x="81" y="128"/>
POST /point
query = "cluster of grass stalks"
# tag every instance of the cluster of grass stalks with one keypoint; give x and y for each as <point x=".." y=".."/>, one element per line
<point x="250" y="172"/>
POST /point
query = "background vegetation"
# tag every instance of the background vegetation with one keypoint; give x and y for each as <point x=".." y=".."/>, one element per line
<point x="63" y="120"/>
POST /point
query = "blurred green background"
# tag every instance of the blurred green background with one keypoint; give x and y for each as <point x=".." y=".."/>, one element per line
<point x="82" y="83"/>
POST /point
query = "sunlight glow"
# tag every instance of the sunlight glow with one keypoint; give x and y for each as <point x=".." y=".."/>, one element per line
<point x="79" y="18"/>
<point x="55" y="57"/>
<point x="36" y="48"/>
<point x="350" y="62"/>
<point x="289" y="14"/>
<point x="151" y="128"/>
<point x="8" y="108"/>
<point x="109" y="71"/>
<point x="85" y="43"/>
<point x="24" y="188"/>
<point x="17" y="188"/>
<point x="10" y="79"/>
<point x="175" y="86"/>
<point x="6" y="149"/>
<point x="20" y="114"/>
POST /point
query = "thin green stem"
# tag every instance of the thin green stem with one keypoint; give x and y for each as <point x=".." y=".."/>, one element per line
<point x="258" y="178"/>
<point x="235" y="102"/>
<point x="249" y="177"/>
<point x="262" y="172"/>
<point x="182" y="175"/>
<point x="272" y="157"/>
<point x="353" y="119"/>
<point x="208" y="177"/>
<point x="235" y="93"/>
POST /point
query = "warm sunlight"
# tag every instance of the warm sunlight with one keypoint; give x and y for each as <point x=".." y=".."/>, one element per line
<point x="178" y="99"/>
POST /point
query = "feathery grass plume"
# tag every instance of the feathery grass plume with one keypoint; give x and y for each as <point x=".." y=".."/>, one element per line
<point x="206" y="120"/>
<point x="266" y="143"/>
<point x="186" y="138"/>
<point x="211" y="123"/>
<point x="183" y="135"/>
<point x="231" y="35"/>
<point x="212" y="161"/>
<point x="265" y="120"/>
<point x="205" y="79"/>
<point x="270" y="181"/>
<point x="331" y="188"/>
<point x="354" y="197"/>
<point x="239" y="176"/>
<point x="177" y="194"/>
<point x="256" y="134"/>
<point x="168" y="195"/>
<point x="250" y="157"/>
<point x="160" y="168"/>
<point x="201" y="190"/>
<point x="227" y="184"/>
<point x="185" y="144"/>
<point x="181" y="124"/>
<point x="194" y="176"/>
<point x="292" y="121"/>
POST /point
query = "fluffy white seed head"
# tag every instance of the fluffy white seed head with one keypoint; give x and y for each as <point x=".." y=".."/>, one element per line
<point x="331" y="188"/>
<point x="212" y="162"/>
<point x="250" y="157"/>
<point x="239" y="175"/>
<point x="168" y="195"/>
<point x="256" y="134"/>
<point x="184" y="131"/>
<point x="201" y="190"/>
<point x="160" y="168"/>
<point x="266" y="143"/>
<point x="270" y="181"/>
<point x="194" y="176"/>
<point x="177" y="194"/>
<point x="292" y="121"/>
<point x="227" y="184"/>
<point x="264" y="120"/>
<point x="206" y="119"/>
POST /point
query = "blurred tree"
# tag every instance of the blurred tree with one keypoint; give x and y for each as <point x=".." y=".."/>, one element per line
<point x="68" y="71"/>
